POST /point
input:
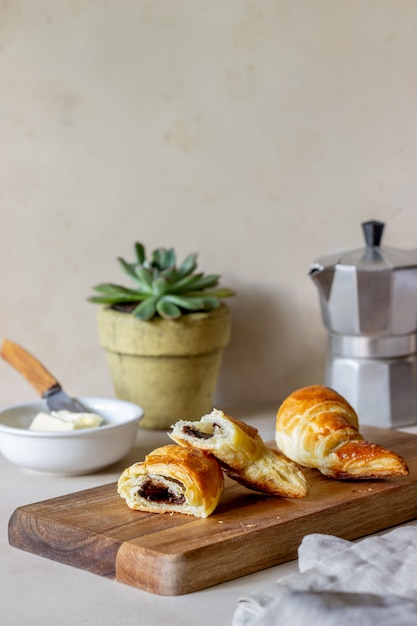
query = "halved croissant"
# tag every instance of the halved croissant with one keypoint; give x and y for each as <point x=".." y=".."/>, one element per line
<point x="243" y="454"/>
<point x="173" y="479"/>
<point x="316" y="427"/>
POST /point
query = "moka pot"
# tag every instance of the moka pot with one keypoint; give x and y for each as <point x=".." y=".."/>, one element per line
<point x="368" y="299"/>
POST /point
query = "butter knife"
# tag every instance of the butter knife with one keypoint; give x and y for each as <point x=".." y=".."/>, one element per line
<point x="40" y="378"/>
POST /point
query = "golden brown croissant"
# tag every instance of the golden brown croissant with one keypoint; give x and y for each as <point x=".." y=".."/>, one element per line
<point x="316" y="427"/>
<point x="243" y="454"/>
<point x="173" y="479"/>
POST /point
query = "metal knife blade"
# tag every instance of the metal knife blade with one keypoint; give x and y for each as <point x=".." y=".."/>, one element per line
<point x="58" y="400"/>
<point x="40" y="378"/>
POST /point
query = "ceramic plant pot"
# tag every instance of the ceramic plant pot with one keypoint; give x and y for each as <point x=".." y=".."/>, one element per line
<point x="169" y="367"/>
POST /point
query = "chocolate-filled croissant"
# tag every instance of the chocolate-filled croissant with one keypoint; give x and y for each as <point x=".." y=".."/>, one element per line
<point x="173" y="479"/>
<point x="243" y="454"/>
<point x="317" y="428"/>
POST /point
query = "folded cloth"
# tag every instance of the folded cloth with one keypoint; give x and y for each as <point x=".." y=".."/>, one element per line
<point x="372" y="581"/>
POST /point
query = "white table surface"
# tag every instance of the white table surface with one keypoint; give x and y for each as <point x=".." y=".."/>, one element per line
<point x="40" y="592"/>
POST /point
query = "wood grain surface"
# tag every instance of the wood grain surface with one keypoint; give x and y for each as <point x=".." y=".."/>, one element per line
<point x="28" y="366"/>
<point x="174" y="554"/>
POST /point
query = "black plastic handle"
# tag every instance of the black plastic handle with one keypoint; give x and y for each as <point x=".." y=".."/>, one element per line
<point x="373" y="233"/>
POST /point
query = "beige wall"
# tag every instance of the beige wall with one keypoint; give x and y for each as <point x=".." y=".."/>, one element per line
<point x="259" y="133"/>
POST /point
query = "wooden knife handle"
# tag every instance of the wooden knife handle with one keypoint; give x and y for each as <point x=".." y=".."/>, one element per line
<point x="30" y="368"/>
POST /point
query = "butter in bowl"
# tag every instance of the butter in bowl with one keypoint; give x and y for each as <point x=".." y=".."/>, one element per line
<point x="30" y="440"/>
<point x="60" y="434"/>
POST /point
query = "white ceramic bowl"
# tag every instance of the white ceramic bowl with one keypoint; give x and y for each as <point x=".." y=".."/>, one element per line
<point x="71" y="452"/>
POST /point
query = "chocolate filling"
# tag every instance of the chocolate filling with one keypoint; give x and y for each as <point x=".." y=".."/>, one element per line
<point x="198" y="434"/>
<point x="157" y="492"/>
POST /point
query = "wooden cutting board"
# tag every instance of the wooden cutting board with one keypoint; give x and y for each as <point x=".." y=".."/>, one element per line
<point x="176" y="554"/>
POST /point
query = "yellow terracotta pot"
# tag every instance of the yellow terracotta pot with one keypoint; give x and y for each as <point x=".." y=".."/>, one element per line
<point x="169" y="367"/>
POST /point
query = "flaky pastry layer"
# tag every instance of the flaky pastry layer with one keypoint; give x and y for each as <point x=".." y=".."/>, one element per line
<point x="232" y="442"/>
<point x="274" y="474"/>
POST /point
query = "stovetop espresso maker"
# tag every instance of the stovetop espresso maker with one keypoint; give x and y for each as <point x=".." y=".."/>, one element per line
<point x="368" y="300"/>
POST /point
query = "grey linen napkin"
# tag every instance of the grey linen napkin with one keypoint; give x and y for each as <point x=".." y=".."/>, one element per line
<point x="370" y="582"/>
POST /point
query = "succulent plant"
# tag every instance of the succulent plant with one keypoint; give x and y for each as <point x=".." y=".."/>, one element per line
<point x="162" y="289"/>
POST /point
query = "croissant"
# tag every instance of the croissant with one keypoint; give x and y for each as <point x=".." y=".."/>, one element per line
<point x="173" y="479"/>
<point x="316" y="427"/>
<point x="243" y="454"/>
